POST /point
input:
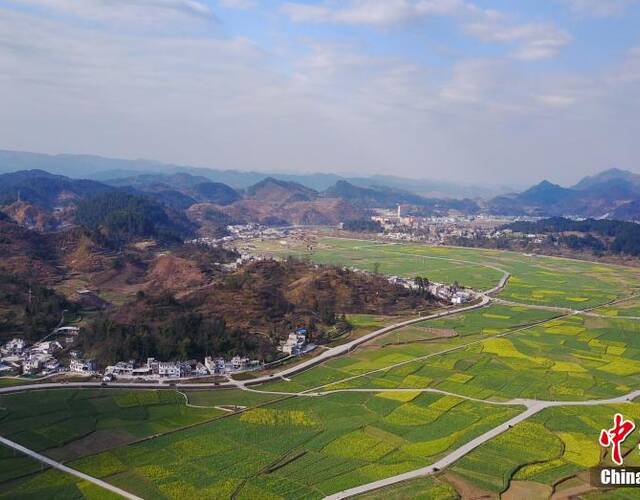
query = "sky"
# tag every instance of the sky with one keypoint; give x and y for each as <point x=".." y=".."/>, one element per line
<point x="479" y="91"/>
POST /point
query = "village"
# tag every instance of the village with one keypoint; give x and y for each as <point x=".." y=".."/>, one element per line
<point x="443" y="230"/>
<point x="48" y="358"/>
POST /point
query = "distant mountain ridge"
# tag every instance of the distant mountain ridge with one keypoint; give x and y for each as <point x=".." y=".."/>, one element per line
<point x="46" y="189"/>
<point x="613" y="193"/>
<point x="107" y="169"/>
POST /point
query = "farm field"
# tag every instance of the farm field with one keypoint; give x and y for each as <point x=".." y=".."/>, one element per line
<point x="374" y="419"/>
<point x="629" y="307"/>
<point x="552" y="449"/>
<point x="8" y="382"/>
<point x="41" y="483"/>
<point x="65" y="424"/>
<point x="225" y="397"/>
<point x="570" y="358"/>
<point x="427" y="488"/>
<point x="409" y="344"/>
<point x="535" y="279"/>
<point x="297" y="448"/>
<point x="369" y="256"/>
<point x="551" y="452"/>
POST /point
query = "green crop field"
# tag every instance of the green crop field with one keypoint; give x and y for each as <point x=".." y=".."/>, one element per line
<point x="427" y="488"/>
<point x="554" y="448"/>
<point x="376" y="417"/>
<point x="56" y="421"/>
<point x="535" y="279"/>
<point x="626" y="308"/>
<point x="570" y="358"/>
<point x="300" y="447"/>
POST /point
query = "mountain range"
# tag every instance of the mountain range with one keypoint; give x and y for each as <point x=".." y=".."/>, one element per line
<point x="107" y="169"/>
<point x="225" y="196"/>
<point x="613" y="194"/>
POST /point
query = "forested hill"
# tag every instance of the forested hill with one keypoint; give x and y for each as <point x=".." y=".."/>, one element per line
<point x="615" y="236"/>
<point x="45" y="189"/>
<point x="122" y="218"/>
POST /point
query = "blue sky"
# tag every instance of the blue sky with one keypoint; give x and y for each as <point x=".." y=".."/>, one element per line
<point x="485" y="91"/>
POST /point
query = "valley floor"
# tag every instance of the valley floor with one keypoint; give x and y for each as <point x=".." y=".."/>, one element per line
<point x="496" y="400"/>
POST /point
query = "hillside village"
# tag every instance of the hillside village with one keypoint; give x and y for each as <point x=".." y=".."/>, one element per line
<point x="55" y="357"/>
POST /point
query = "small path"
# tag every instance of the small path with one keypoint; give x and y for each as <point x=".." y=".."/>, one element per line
<point x="217" y="407"/>
<point x="589" y="312"/>
<point x="68" y="470"/>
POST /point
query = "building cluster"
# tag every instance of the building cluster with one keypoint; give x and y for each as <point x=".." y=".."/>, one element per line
<point x="244" y="232"/>
<point x="154" y="369"/>
<point x="448" y="293"/>
<point x="442" y="230"/>
<point x="297" y="343"/>
<point x="18" y="357"/>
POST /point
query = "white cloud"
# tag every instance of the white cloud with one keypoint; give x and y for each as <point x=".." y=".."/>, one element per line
<point x="556" y="101"/>
<point x="229" y="103"/>
<point x="237" y="4"/>
<point x="375" y="12"/>
<point x="143" y="10"/>
<point x="600" y="8"/>
<point x="535" y="40"/>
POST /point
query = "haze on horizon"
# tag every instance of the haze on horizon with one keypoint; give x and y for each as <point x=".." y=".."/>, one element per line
<point x="480" y="91"/>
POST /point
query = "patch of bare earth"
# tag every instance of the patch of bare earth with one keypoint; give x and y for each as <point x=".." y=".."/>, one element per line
<point x="527" y="490"/>
<point x="573" y="487"/>
<point x="465" y="489"/>
<point x="96" y="442"/>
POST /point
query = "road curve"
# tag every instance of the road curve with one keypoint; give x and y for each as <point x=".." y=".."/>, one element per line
<point x="326" y="355"/>
<point x="68" y="470"/>
<point x="533" y="408"/>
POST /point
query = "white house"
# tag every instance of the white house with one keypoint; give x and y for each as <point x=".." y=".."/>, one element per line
<point x="14" y="346"/>
<point x="295" y="342"/>
<point x="168" y="369"/>
<point x="82" y="365"/>
<point x="238" y="363"/>
<point x="210" y="364"/>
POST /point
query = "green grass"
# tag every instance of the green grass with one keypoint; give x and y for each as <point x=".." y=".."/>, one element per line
<point x="10" y="382"/>
<point x="229" y="397"/>
<point x="571" y="358"/>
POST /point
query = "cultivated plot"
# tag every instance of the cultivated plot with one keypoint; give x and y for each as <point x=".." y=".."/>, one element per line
<point x="296" y="448"/>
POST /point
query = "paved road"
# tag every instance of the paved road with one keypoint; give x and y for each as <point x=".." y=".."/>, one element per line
<point x="324" y="356"/>
<point x="68" y="470"/>
<point x="533" y="408"/>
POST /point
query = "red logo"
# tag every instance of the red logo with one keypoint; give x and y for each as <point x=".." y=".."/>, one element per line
<point x="615" y="437"/>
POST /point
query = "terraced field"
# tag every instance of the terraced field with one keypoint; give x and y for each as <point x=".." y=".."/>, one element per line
<point x="396" y="404"/>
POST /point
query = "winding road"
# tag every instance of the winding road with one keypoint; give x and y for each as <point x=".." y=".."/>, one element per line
<point x="531" y="407"/>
